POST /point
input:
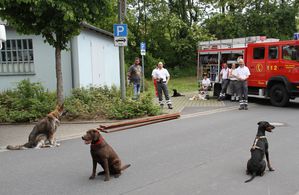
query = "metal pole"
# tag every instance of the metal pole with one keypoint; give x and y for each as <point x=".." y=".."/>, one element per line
<point x="121" y="59"/>
<point x="143" y="73"/>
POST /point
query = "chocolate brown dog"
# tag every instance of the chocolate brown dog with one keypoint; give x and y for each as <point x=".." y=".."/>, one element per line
<point x="102" y="153"/>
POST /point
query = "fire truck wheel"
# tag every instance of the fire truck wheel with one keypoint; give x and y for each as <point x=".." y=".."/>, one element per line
<point x="279" y="95"/>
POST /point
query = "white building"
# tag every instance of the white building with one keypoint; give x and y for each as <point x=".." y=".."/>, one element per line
<point x="92" y="60"/>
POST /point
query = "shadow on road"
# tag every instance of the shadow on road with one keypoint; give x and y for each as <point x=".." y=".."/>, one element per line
<point x="266" y="102"/>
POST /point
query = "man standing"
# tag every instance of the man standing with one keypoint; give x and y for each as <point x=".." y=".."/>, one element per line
<point x="225" y="81"/>
<point x="242" y="76"/>
<point x="233" y="83"/>
<point x="161" y="75"/>
<point x="134" y="76"/>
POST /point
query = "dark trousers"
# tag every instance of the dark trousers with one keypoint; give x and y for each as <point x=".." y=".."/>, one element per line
<point x="162" y="88"/>
<point x="234" y="89"/>
<point x="243" y="92"/>
<point x="224" y="85"/>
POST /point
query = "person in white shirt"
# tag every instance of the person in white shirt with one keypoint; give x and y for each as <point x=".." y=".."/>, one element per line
<point x="233" y="83"/>
<point x="225" y="81"/>
<point x="162" y="76"/>
<point x="205" y="84"/>
<point x="155" y="81"/>
<point x="242" y="75"/>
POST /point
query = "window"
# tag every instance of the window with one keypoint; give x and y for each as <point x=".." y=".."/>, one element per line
<point x="273" y="52"/>
<point x="290" y="52"/>
<point x="258" y="53"/>
<point x="17" y="57"/>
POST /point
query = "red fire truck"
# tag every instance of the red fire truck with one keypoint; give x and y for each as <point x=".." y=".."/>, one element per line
<point x="273" y="64"/>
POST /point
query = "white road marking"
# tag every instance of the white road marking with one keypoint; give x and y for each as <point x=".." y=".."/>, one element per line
<point x="218" y="110"/>
<point x="277" y="124"/>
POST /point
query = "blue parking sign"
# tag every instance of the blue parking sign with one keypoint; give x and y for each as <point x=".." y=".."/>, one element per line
<point x="120" y="30"/>
<point x="142" y="46"/>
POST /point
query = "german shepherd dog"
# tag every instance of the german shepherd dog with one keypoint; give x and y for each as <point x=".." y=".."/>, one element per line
<point x="42" y="134"/>
<point x="102" y="153"/>
<point x="256" y="165"/>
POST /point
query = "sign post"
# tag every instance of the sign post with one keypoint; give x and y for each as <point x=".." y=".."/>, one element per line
<point x="143" y="51"/>
<point x="120" y="38"/>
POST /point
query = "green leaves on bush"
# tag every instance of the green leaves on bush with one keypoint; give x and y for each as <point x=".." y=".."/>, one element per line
<point x="29" y="102"/>
<point x="102" y="102"/>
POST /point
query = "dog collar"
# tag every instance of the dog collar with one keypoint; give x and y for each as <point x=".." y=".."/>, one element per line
<point x="99" y="141"/>
<point x="254" y="146"/>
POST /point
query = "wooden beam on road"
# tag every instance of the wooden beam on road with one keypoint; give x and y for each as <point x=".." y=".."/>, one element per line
<point x="139" y="121"/>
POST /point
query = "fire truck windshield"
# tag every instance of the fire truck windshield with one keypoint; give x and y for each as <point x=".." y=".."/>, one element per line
<point x="290" y="52"/>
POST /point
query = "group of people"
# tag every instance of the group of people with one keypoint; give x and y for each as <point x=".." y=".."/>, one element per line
<point x="160" y="76"/>
<point x="237" y="79"/>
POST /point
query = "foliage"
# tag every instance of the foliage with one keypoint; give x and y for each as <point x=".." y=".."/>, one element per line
<point x="252" y="18"/>
<point x="101" y="102"/>
<point x="28" y="102"/>
<point x="56" y="20"/>
<point x="118" y="109"/>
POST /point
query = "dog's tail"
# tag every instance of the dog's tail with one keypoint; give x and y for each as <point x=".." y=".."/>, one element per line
<point x="18" y="147"/>
<point x="252" y="177"/>
<point x="125" y="166"/>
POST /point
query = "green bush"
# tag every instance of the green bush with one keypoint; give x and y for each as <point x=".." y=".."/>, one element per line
<point x="103" y="102"/>
<point x="132" y="108"/>
<point x="28" y="102"/>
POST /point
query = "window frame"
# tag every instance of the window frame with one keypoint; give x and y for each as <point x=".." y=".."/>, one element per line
<point x="17" y="57"/>
<point x="254" y="53"/>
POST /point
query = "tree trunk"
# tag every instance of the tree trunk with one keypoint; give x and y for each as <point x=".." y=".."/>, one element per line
<point x="59" y="88"/>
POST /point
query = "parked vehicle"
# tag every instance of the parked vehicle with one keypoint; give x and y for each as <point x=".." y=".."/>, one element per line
<point x="274" y="65"/>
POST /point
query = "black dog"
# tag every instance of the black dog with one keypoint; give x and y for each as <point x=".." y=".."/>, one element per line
<point x="256" y="165"/>
<point x="176" y="93"/>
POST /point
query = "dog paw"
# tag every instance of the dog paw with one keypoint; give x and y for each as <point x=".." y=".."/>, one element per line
<point x="116" y="175"/>
<point x="271" y="169"/>
<point x="101" y="173"/>
<point x="92" y="177"/>
<point x="106" y="179"/>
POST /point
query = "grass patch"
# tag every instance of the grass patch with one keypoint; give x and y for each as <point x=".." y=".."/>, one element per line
<point x="183" y="84"/>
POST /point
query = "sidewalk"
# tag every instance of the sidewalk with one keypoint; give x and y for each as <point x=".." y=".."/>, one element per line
<point x="17" y="134"/>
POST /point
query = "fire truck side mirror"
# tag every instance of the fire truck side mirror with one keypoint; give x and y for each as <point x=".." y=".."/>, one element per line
<point x="2" y="35"/>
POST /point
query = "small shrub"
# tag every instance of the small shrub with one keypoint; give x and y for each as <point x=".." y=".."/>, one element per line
<point x="28" y="102"/>
<point x="132" y="108"/>
<point x="103" y="102"/>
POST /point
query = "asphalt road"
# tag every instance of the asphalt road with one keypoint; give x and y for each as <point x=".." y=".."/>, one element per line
<point x="197" y="154"/>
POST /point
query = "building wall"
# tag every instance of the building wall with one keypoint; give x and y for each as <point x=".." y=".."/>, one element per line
<point x="96" y="60"/>
<point x="93" y="60"/>
<point x="44" y="65"/>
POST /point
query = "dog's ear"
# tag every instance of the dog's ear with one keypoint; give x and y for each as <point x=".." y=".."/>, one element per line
<point x="261" y="122"/>
<point x="61" y="107"/>
<point x="96" y="135"/>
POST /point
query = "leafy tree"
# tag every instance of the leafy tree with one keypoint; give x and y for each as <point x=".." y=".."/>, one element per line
<point x="275" y="19"/>
<point x="56" y="20"/>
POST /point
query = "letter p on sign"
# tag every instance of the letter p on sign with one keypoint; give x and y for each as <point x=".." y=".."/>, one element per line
<point x="120" y="30"/>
